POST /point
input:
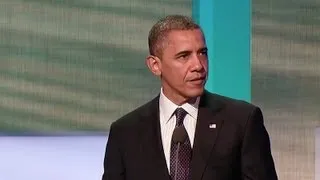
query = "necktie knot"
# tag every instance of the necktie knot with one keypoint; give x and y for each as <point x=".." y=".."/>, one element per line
<point x="180" y="115"/>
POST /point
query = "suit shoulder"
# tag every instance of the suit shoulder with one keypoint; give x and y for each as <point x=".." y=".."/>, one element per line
<point x="233" y="103"/>
<point x="132" y="118"/>
<point x="235" y="111"/>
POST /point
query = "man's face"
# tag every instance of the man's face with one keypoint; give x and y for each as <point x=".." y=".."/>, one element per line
<point x="183" y="65"/>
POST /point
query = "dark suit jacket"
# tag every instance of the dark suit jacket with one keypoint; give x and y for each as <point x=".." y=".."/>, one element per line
<point x="237" y="149"/>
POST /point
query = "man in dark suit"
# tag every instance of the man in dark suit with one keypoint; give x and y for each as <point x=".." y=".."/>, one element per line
<point x="186" y="132"/>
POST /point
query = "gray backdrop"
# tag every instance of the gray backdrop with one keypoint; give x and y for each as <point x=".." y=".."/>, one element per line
<point x="286" y="80"/>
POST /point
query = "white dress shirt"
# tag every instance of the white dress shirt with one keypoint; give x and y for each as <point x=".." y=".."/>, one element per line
<point x="168" y="122"/>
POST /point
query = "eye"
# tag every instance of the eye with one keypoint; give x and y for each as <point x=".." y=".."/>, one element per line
<point x="184" y="56"/>
<point x="204" y="52"/>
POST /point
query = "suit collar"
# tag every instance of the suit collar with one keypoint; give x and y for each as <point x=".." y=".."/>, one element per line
<point x="207" y="130"/>
<point x="150" y="134"/>
<point x="211" y="101"/>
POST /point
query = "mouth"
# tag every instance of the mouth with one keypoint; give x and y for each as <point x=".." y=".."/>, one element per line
<point x="199" y="81"/>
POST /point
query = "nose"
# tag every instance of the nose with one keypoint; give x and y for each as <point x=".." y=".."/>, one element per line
<point x="198" y="63"/>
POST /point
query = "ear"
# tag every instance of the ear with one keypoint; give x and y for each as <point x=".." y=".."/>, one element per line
<point x="154" y="64"/>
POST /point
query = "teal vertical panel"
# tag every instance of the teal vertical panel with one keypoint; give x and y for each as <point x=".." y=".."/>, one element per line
<point x="227" y="27"/>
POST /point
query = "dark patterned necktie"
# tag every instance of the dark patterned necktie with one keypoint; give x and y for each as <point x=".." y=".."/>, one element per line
<point x="180" y="159"/>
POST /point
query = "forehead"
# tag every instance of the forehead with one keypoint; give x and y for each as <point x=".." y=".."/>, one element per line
<point x="182" y="39"/>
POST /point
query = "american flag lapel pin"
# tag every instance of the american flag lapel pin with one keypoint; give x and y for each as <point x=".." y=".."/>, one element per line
<point x="212" y="126"/>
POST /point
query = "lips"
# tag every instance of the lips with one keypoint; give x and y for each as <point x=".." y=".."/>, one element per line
<point x="199" y="80"/>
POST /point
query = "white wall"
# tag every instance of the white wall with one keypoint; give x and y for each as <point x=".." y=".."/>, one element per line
<point x="52" y="158"/>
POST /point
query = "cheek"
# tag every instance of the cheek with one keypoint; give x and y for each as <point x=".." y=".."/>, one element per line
<point x="186" y="74"/>
<point x="175" y="73"/>
<point x="178" y="76"/>
<point x="205" y="64"/>
<point x="171" y="74"/>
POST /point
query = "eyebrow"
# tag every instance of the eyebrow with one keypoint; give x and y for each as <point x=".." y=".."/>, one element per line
<point x="182" y="53"/>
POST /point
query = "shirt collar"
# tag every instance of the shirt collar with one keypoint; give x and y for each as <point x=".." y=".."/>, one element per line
<point x="167" y="107"/>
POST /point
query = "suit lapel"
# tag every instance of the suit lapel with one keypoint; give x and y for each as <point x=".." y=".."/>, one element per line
<point x="207" y="129"/>
<point x="150" y="134"/>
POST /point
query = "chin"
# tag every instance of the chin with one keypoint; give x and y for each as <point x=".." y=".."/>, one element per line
<point x="195" y="92"/>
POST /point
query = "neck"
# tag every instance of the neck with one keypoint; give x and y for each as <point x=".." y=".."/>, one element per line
<point x="179" y="99"/>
